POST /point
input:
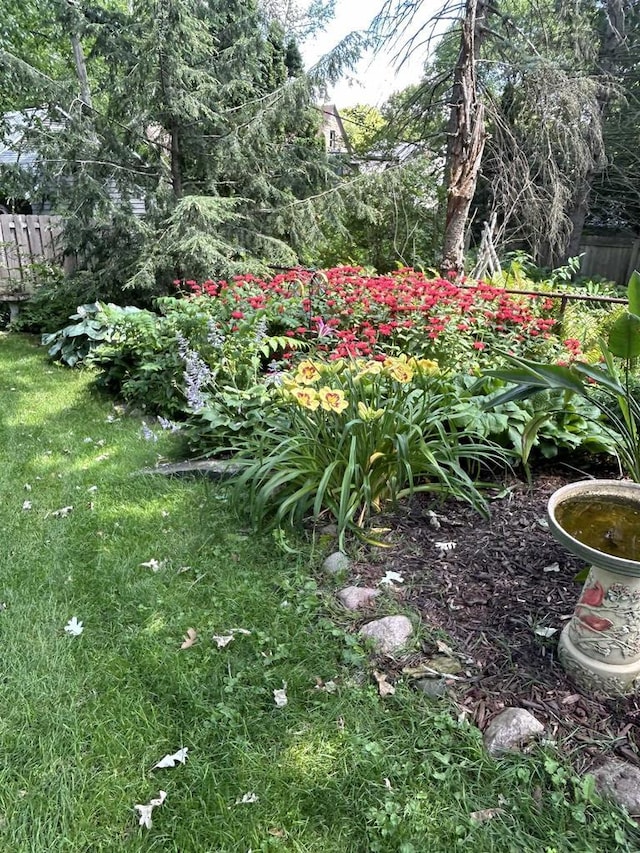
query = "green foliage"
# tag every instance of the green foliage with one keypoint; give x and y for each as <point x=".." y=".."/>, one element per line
<point x="95" y="324"/>
<point x="611" y="390"/>
<point x="356" y="437"/>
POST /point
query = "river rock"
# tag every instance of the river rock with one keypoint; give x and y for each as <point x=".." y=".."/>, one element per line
<point x="510" y="730"/>
<point x="389" y="633"/>
<point x="355" y="597"/>
<point x="336" y="563"/>
<point x="620" y="781"/>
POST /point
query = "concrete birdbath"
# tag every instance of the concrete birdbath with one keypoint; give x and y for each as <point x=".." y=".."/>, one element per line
<point x="599" y="522"/>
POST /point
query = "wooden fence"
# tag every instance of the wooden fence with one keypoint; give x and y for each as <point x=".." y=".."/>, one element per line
<point x="613" y="256"/>
<point x="25" y="240"/>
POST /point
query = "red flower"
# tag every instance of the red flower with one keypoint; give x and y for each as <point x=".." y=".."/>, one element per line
<point x="479" y="345"/>
<point x="237" y="315"/>
<point x="593" y="595"/>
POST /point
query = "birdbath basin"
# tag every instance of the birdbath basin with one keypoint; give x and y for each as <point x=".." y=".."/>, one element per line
<point x="599" y="522"/>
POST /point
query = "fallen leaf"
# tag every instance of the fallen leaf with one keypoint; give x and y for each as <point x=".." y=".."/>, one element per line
<point x="63" y="512"/>
<point x="433" y="520"/>
<point x="444" y="648"/>
<point x="245" y="799"/>
<point x="179" y="757"/>
<point x="280" y="696"/>
<point x="73" y="627"/>
<point x="102" y="457"/>
<point x="554" y="567"/>
<point x="485" y="814"/>
<point x="391" y="578"/>
<point x="443" y="664"/>
<point x="145" y="810"/>
<point x="326" y="686"/>
<point x="384" y="688"/>
<point x="222" y="641"/>
<point x="154" y="565"/>
<point x="277" y="833"/>
<point x="189" y="639"/>
<point x="543" y="631"/>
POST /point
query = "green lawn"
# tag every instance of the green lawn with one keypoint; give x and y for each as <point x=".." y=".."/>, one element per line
<point x="83" y="719"/>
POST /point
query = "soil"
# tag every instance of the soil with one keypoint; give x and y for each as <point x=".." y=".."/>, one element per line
<point x="505" y="579"/>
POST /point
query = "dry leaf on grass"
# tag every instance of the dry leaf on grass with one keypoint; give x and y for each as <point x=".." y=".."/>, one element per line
<point x="280" y="696"/>
<point x="384" y="688"/>
<point x="73" y="627"/>
<point x="154" y="565"/>
<point x="222" y="640"/>
<point x="145" y="810"/>
<point x="189" y="638"/>
<point x="63" y="512"/>
<point x="485" y="814"/>
<point x="246" y="799"/>
<point x="179" y="757"/>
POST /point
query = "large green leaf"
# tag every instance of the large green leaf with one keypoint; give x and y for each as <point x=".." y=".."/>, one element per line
<point x="624" y="337"/>
<point x="633" y="293"/>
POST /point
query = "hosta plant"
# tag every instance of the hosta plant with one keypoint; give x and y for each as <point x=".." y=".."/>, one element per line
<point x="354" y="436"/>
<point x="612" y="387"/>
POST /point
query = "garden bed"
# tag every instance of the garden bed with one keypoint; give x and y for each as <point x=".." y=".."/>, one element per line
<point x="505" y="579"/>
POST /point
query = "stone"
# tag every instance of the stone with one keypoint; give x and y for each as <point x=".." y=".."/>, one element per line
<point x="336" y="563"/>
<point x="216" y="469"/>
<point x="510" y="730"/>
<point x="620" y="781"/>
<point x="355" y="597"/>
<point x="433" y="688"/>
<point x="389" y="633"/>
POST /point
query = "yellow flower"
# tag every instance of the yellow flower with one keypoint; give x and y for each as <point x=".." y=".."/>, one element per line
<point x="332" y="400"/>
<point x="427" y="365"/>
<point x="401" y="372"/>
<point x="307" y="373"/>
<point x="305" y="397"/>
<point x="366" y="413"/>
<point x="371" y="368"/>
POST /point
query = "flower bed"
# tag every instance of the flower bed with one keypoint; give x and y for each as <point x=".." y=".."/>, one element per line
<point x="343" y="312"/>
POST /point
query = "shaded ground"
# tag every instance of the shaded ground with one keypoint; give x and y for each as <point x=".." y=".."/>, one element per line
<point x="505" y="578"/>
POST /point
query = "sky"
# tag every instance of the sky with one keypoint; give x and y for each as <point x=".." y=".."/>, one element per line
<point x="376" y="78"/>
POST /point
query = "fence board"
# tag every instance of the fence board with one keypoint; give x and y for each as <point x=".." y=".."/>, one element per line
<point x="612" y="256"/>
<point x="25" y="240"/>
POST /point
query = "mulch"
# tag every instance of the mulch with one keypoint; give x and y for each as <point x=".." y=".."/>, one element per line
<point x="504" y="580"/>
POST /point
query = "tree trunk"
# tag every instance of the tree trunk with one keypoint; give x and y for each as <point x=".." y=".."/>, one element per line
<point x="176" y="167"/>
<point x="611" y="37"/>
<point x="466" y="138"/>
<point x="81" y="70"/>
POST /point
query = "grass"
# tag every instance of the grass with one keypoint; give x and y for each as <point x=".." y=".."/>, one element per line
<point x="83" y="719"/>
